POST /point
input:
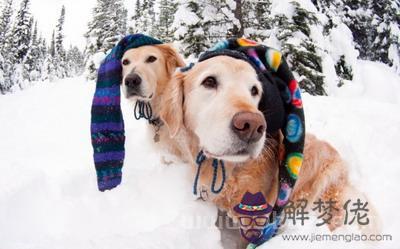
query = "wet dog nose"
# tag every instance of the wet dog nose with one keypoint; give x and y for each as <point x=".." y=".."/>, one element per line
<point x="248" y="126"/>
<point x="133" y="80"/>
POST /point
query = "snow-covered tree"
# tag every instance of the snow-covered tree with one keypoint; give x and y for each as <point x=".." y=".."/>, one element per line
<point x="43" y="53"/>
<point x="49" y="67"/>
<point x="19" y="42"/>
<point x="21" y="32"/>
<point x="5" y="21"/>
<point x="3" y="86"/>
<point x="358" y="17"/>
<point x="257" y="30"/>
<point x="59" y="42"/>
<point x="192" y="28"/>
<point x="300" y="49"/>
<point x="52" y="48"/>
<point x="59" y="56"/>
<point x="168" y="9"/>
<point x="32" y="63"/>
<point x="145" y="18"/>
<point x="133" y="28"/>
<point x="386" y="16"/>
<point x="5" y="45"/>
<point x="75" y="61"/>
<point x="107" y="27"/>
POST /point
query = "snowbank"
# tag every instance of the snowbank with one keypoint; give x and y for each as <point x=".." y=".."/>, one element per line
<point x="49" y="197"/>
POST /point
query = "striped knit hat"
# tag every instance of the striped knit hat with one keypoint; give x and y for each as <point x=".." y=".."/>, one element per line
<point x="282" y="107"/>
<point x="107" y="123"/>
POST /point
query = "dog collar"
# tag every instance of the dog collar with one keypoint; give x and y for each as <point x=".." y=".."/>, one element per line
<point x="216" y="164"/>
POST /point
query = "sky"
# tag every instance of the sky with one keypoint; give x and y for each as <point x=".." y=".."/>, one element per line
<point x="78" y="13"/>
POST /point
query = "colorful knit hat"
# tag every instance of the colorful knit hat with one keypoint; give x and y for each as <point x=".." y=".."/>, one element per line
<point x="281" y="105"/>
<point x="107" y="123"/>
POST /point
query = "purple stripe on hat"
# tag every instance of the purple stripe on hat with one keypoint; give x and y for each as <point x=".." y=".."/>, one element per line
<point x="109" y="66"/>
<point x="109" y="184"/>
<point x="110" y="126"/>
<point x="111" y="100"/>
<point x="104" y="140"/>
<point x="254" y="57"/>
<point x="108" y="91"/>
<point x="109" y="156"/>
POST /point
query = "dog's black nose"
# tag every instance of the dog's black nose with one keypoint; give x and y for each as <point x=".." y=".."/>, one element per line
<point x="133" y="81"/>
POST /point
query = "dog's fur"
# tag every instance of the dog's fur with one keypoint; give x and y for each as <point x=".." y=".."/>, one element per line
<point x="155" y="77"/>
<point x="204" y="115"/>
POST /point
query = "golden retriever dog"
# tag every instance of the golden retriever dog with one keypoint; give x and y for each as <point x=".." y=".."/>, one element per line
<point x="146" y="72"/>
<point x="210" y="103"/>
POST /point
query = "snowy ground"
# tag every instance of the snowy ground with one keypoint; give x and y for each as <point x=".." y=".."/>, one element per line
<point x="48" y="192"/>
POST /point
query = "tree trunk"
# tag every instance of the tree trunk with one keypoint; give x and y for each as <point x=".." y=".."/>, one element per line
<point x="238" y="31"/>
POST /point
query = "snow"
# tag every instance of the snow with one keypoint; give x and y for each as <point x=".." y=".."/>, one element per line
<point x="48" y="187"/>
<point x="370" y="85"/>
<point x="338" y="43"/>
<point x="48" y="192"/>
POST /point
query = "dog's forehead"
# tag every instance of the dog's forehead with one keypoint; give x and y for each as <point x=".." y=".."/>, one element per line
<point x="226" y="69"/>
<point x="141" y="51"/>
<point x="224" y="66"/>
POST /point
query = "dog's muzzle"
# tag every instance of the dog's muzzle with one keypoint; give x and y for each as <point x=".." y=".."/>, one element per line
<point x="133" y="84"/>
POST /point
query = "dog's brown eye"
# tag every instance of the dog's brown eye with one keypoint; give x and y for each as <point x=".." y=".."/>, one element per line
<point x="254" y="91"/>
<point x="151" y="59"/>
<point x="210" y="82"/>
<point x="126" y="62"/>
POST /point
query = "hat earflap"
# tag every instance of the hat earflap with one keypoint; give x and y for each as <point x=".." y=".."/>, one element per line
<point x="107" y="123"/>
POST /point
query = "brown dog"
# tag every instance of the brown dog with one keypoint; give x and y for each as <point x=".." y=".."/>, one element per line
<point x="147" y="70"/>
<point x="207" y="105"/>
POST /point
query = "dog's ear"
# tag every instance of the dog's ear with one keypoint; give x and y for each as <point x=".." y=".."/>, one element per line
<point x="172" y="108"/>
<point x="173" y="59"/>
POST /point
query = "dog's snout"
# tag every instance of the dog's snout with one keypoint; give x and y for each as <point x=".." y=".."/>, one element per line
<point x="248" y="126"/>
<point x="133" y="80"/>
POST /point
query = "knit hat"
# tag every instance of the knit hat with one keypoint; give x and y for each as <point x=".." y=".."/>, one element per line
<point x="107" y="123"/>
<point x="281" y="104"/>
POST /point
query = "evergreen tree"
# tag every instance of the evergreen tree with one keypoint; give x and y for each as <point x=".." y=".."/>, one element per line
<point x="59" y="57"/>
<point x="384" y="34"/>
<point x="118" y="25"/>
<point x="135" y="18"/>
<point x="21" y="32"/>
<point x="75" y="61"/>
<point x="5" y="46"/>
<point x="220" y="19"/>
<point x="52" y="48"/>
<point x="43" y="54"/>
<point x="239" y="10"/>
<point x="3" y="87"/>
<point x="300" y="50"/>
<point x="5" y="21"/>
<point x="31" y="63"/>
<point x="358" y="18"/>
<point x="20" y="40"/>
<point x="107" y="27"/>
<point x="49" y="61"/>
<point x="165" y="20"/>
<point x="59" y="38"/>
<point x="191" y="28"/>
<point x="257" y="20"/>
<point x="262" y="13"/>
<point x="145" y="18"/>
